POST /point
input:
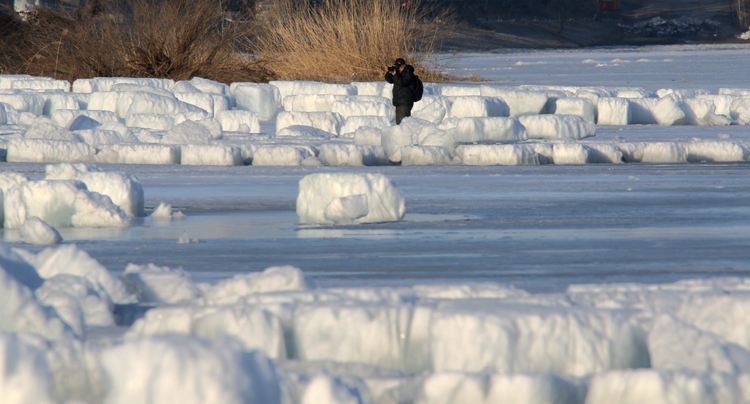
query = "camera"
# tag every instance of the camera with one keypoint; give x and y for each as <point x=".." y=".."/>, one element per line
<point x="392" y="68"/>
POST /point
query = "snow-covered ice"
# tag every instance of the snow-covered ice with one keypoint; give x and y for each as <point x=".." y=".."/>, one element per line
<point x="543" y="258"/>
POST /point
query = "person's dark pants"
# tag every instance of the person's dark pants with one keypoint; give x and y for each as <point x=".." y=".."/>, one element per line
<point x="402" y="111"/>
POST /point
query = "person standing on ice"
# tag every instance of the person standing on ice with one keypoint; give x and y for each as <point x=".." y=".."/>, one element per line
<point x="402" y="77"/>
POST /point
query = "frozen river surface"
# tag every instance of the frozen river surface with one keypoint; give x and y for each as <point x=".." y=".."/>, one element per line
<point x="540" y="228"/>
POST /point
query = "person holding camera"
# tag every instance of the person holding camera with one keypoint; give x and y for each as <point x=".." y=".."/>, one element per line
<point x="402" y="77"/>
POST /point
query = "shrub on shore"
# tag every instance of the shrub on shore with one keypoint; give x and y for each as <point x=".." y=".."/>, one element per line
<point x="345" y="40"/>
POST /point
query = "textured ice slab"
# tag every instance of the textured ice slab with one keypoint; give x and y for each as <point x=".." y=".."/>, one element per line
<point x="124" y="189"/>
<point x="326" y="121"/>
<point x="583" y="107"/>
<point x="613" y="111"/>
<point x="558" y="126"/>
<point x="139" y="154"/>
<point x="211" y="155"/>
<point x="261" y="99"/>
<point x="490" y="130"/>
<point x="61" y="204"/>
<point x="338" y="154"/>
<point x="477" y="106"/>
<point x="49" y="151"/>
<point x="175" y="368"/>
<point x="459" y="388"/>
<point x="520" y="102"/>
<point x="425" y="155"/>
<point x="354" y="123"/>
<point x="274" y="279"/>
<point x="25" y="377"/>
<point x="233" y="121"/>
<point x="349" y="108"/>
<point x="153" y="284"/>
<point x="255" y="327"/>
<point x="20" y="311"/>
<point x="316" y="191"/>
<point x="280" y="155"/>
<point x="37" y="231"/>
<point x="507" y="155"/>
<point x="499" y="338"/>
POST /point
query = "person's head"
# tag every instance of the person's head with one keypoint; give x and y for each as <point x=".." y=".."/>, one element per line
<point x="400" y="64"/>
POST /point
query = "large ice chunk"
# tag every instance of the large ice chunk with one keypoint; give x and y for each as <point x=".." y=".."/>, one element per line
<point x="280" y="155"/>
<point x="100" y="84"/>
<point x="68" y="259"/>
<point x="520" y="102"/>
<point x="354" y="123"/>
<point x="37" y="231"/>
<point x="327" y="121"/>
<point x="702" y="112"/>
<point x="51" y="132"/>
<point x="49" y="151"/>
<point x="264" y="100"/>
<point x="210" y="86"/>
<point x="368" y="333"/>
<point x="153" y="284"/>
<point x="231" y="121"/>
<point x="24" y="102"/>
<point x="311" y="102"/>
<point x="150" y="121"/>
<point x="487" y="388"/>
<point x="425" y="155"/>
<point x="490" y="130"/>
<point x="558" y="126"/>
<point x="255" y="327"/>
<point x="350" y="108"/>
<point x="576" y="106"/>
<point x="25" y="377"/>
<point x="339" y="154"/>
<point x="175" y="368"/>
<point x="139" y="154"/>
<point x="21" y="312"/>
<point x="667" y="112"/>
<point x="716" y="152"/>
<point x="272" y="279"/>
<point x="124" y="189"/>
<point x="61" y="204"/>
<point x="211" y="155"/>
<point x="486" y="337"/>
<point x="663" y="386"/>
<point x="64" y="117"/>
<point x="613" y="111"/>
<point x="477" y="106"/>
<point x="316" y="191"/>
<point x="140" y="102"/>
<point x="187" y="132"/>
<point x="485" y="155"/>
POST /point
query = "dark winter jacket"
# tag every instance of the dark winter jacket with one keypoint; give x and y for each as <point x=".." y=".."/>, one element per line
<point x="403" y="86"/>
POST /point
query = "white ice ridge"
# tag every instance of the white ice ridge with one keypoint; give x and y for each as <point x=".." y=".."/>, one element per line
<point x="202" y="122"/>
<point x="434" y="343"/>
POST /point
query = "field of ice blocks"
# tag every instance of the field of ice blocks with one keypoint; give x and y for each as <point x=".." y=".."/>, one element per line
<point x="201" y="122"/>
<point x="71" y="332"/>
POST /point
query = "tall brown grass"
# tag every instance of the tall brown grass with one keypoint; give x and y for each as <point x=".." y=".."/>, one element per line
<point x="345" y="40"/>
<point x="176" y="39"/>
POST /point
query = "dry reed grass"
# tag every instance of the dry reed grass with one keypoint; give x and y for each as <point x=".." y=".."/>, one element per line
<point x="175" y="39"/>
<point x="346" y="40"/>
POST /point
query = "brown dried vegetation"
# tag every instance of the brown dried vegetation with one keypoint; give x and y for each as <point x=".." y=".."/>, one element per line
<point x="175" y="39"/>
<point x="351" y="40"/>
